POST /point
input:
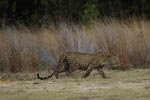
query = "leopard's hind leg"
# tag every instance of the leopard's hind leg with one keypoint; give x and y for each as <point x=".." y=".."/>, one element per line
<point x="67" y="68"/>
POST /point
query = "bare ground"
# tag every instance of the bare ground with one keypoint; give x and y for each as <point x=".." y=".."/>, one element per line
<point x="127" y="85"/>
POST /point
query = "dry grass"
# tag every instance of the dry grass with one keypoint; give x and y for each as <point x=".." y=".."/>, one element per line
<point x="22" y="48"/>
<point x="123" y="85"/>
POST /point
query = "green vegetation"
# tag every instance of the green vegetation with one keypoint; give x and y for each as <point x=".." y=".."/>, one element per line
<point x="75" y="10"/>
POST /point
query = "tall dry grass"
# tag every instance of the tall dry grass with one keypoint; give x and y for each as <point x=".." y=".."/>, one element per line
<point x="22" y="48"/>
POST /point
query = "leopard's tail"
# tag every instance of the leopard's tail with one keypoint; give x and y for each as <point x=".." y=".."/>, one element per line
<point x="60" y="68"/>
<point x="44" y="78"/>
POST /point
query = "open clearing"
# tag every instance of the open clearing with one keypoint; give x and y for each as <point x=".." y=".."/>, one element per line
<point x="123" y="85"/>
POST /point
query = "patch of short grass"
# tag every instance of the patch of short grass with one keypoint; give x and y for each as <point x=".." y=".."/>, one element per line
<point x="118" y="87"/>
<point x="111" y="94"/>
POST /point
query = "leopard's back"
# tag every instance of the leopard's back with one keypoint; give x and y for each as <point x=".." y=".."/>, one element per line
<point x="76" y="59"/>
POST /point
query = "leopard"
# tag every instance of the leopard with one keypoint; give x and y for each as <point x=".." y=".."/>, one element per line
<point x="72" y="61"/>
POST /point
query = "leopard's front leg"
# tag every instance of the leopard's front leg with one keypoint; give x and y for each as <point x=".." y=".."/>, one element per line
<point x="100" y="70"/>
<point x="88" y="71"/>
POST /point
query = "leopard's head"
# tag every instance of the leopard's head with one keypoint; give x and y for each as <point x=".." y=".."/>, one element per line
<point x="111" y="59"/>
